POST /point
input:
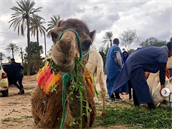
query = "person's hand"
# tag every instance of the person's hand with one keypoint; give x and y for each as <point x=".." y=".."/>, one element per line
<point x="162" y="86"/>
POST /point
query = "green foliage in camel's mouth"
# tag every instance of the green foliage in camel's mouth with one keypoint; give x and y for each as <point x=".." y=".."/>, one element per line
<point x="52" y="66"/>
<point x="75" y="73"/>
<point x="77" y="84"/>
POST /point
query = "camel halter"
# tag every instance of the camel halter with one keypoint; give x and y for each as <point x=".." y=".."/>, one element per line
<point x="66" y="76"/>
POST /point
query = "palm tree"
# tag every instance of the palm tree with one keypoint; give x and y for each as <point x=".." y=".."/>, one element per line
<point x="1" y="55"/>
<point x="52" y="23"/>
<point x="20" y="20"/>
<point x="36" y="27"/>
<point x="8" y="59"/>
<point x="21" y="54"/>
<point x="13" y="48"/>
<point x="107" y="39"/>
<point x="45" y="44"/>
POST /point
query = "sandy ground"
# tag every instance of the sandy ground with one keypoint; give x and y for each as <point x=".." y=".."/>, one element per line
<point x="15" y="110"/>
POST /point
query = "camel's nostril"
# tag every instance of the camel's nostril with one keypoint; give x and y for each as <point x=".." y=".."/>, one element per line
<point x="65" y="45"/>
<point x="65" y="61"/>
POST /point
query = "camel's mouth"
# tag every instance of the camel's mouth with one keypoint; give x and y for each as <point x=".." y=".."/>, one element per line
<point x="66" y="69"/>
<point x="64" y="62"/>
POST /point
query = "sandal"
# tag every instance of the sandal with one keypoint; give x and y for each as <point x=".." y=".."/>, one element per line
<point x="21" y="92"/>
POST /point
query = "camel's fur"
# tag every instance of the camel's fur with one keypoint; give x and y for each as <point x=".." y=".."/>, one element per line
<point x="95" y="66"/>
<point x="63" y="54"/>
<point x="154" y="86"/>
<point x="169" y="63"/>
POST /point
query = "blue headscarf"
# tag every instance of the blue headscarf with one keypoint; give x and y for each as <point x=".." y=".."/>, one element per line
<point x="124" y="58"/>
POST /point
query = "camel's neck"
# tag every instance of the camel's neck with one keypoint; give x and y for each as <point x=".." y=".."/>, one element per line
<point x="75" y="100"/>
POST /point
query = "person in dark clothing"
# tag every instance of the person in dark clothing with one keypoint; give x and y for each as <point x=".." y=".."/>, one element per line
<point x="17" y="70"/>
<point x="150" y="59"/>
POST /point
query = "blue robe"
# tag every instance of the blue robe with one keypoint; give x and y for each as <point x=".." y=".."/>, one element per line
<point x="124" y="58"/>
<point x="141" y="60"/>
<point x="112" y="68"/>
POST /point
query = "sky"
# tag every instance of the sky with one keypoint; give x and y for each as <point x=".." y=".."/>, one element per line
<point x="150" y="18"/>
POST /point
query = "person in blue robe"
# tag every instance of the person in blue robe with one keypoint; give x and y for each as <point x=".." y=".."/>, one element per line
<point x="151" y="59"/>
<point x="113" y="68"/>
<point x="125" y="55"/>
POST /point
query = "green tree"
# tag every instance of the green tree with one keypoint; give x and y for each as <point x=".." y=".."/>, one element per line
<point x="13" y="48"/>
<point x="20" y="20"/>
<point x="36" y="28"/>
<point x="128" y="37"/>
<point x="34" y="63"/>
<point x="33" y="48"/>
<point x="130" y="51"/>
<point x="8" y="59"/>
<point x="34" y="57"/>
<point x="152" y="41"/>
<point x="108" y="39"/>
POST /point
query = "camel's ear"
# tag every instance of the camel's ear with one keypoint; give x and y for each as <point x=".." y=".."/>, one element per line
<point x="59" y="23"/>
<point x="93" y="35"/>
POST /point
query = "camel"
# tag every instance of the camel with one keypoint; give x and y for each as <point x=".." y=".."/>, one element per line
<point x="95" y="66"/>
<point x="46" y="109"/>
<point x="169" y="65"/>
<point x="154" y="87"/>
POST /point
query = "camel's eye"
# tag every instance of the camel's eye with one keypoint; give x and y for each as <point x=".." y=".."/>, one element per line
<point x="53" y="35"/>
<point x="86" y="45"/>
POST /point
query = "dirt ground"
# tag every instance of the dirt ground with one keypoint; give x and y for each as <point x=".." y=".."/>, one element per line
<point x="15" y="110"/>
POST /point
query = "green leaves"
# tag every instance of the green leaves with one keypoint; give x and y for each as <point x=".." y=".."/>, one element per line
<point x="52" y="66"/>
<point x="152" y="41"/>
<point x="52" y="23"/>
<point x="42" y="87"/>
<point x="54" y="88"/>
<point x="5" y="119"/>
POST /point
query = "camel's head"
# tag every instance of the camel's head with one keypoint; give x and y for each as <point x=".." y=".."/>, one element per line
<point x="66" y="48"/>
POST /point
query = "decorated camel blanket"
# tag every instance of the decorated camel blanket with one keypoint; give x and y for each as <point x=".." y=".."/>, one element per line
<point x="47" y="80"/>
